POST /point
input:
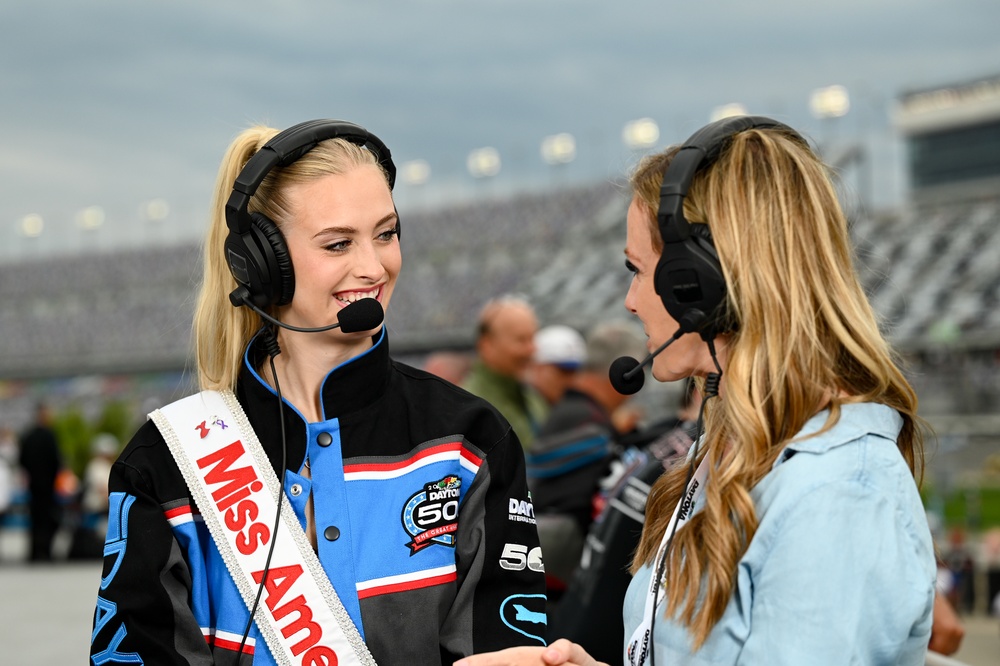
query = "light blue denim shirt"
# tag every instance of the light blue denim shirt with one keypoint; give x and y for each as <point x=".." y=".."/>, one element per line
<point x="841" y="569"/>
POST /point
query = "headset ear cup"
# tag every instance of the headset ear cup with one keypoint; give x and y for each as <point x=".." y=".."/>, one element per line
<point x="278" y="259"/>
<point x="690" y="282"/>
<point x="661" y="283"/>
<point x="702" y="232"/>
<point x="689" y="277"/>
<point x="720" y="321"/>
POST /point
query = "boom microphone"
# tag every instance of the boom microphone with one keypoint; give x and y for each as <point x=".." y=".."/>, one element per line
<point x="626" y="376"/>
<point x="626" y="373"/>
<point x="361" y="315"/>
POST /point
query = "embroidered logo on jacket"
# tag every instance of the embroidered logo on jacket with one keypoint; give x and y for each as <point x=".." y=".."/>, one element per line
<point x="525" y="614"/>
<point x="521" y="511"/>
<point x="431" y="515"/>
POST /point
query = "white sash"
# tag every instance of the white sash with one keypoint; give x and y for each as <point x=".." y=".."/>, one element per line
<point x="638" y="646"/>
<point x="234" y="486"/>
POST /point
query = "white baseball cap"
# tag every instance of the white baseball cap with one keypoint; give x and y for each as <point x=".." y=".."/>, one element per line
<point x="560" y="345"/>
<point x="105" y="444"/>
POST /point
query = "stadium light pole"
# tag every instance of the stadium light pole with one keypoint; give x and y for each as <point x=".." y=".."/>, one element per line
<point x="89" y="220"/>
<point x="483" y="163"/>
<point x="152" y="213"/>
<point x="29" y="227"/>
<point x="557" y="151"/>
<point x="156" y="210"/>
<point x="871" y="107"/>
<point x="415" y="174"/>
<point x="640" y="134"/>
<point x="32" y="225"/>
<point x="727" y="111"/>
<point x="827" y="104"/>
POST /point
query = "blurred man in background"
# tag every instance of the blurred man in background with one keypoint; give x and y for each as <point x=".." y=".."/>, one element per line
<point x="9" y="473"/>
<point x="452" y="366"/>
<point x="505" y="345"/>
<point x="94" y="501"/>
<point x="574" y="450"/>
<point x="560" y="351"/>
<point x="41" y="460"/>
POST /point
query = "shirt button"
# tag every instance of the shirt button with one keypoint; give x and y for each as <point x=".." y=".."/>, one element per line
<point x="324" y="439"/>
<point x="332" y="533"/>
<point x="296" y="490"/>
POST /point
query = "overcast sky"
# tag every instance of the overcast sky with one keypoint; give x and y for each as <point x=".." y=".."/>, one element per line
<point x="115" y="103"/>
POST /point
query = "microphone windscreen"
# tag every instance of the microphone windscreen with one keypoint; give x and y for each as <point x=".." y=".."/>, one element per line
<point x="621" y="383"/>
<point x="361" y="315"/>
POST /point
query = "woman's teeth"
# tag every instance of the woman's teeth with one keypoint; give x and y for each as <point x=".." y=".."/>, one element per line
<point x="354" y="296"/>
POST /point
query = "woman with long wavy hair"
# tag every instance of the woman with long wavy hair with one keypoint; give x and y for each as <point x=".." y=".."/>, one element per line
<point x="801" y="537"/>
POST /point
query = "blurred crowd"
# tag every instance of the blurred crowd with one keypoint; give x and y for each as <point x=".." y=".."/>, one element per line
<point x="591" y="456"/>
<point x="43" y="497"/>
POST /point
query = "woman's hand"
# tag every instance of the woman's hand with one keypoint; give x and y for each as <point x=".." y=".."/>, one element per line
<point x="562" y="652"/>
<point x="947" y="631"/>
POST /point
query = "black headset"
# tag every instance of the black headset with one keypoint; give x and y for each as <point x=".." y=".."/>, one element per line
<point x="255" y="248"/>
<point x="688" y="275"/>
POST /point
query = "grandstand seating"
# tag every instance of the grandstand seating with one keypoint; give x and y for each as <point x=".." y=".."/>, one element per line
<point x="933" y="273"/>
<point x="552" y="247"/>
<point x="126" y="311"/>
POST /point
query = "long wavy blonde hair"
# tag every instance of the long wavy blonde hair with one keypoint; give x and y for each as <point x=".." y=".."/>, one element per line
<point x="221" y="331"/>
<point x="808" y="339"/>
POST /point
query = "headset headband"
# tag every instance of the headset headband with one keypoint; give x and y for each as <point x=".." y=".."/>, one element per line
<point x="689" y="277"/>
<point x="290" y="145"/>
<point x="700" y="150"/>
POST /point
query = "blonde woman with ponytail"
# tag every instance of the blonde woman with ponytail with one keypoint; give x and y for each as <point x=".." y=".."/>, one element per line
<point x="400" y="482"/>
<point x="805" y="541"/>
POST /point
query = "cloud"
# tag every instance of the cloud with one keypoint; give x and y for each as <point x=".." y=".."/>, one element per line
<point x="112" y="101"/>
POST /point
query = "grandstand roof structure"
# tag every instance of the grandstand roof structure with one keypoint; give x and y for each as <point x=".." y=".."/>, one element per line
<point x="932" y="272"/>
<point x="952" y="136"/>
<point x="944" y="107"/>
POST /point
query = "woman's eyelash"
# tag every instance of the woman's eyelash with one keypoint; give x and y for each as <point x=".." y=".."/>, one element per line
<point x="631" y="267"/>
<point x="340" y="246"/>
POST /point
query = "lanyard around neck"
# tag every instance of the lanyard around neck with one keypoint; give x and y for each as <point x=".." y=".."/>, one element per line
<point x="638" y="645"/>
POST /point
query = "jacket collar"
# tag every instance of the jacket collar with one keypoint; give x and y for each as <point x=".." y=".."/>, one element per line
<point x="347" y="388"/>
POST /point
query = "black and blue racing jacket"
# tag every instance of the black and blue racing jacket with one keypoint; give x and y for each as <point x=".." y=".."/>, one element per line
<point x="422" y="517"/>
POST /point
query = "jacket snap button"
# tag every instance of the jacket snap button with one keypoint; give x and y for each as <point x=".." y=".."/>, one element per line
<point x="296" y="490"/>
<point x="324" y="439"/>
<point x="332" y="533"/>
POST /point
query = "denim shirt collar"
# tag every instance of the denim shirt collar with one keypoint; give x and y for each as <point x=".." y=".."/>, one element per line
<point x="856" y="420"/>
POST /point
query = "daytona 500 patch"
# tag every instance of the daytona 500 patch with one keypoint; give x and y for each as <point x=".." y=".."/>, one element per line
<point x="431" y="515"/>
